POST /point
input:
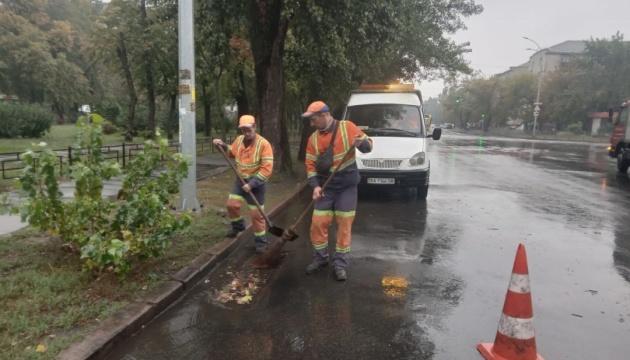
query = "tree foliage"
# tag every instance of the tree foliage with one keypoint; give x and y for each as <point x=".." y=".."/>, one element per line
<point x="41" y="56"/>
<point x="594" y="81"/>
<point x="271" y="57"/>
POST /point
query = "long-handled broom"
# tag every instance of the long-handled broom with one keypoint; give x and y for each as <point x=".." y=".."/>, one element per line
<point x="275" y="230"/>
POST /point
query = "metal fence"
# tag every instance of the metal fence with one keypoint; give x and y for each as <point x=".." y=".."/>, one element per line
<point x="11" y="164"/>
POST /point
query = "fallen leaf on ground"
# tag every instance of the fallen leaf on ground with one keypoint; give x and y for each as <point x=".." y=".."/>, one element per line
<point x="41" y="348"/>
<point x="244" y="300"/>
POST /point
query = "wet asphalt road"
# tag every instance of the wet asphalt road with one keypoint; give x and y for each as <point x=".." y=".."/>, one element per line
<point x="564" y="201"/>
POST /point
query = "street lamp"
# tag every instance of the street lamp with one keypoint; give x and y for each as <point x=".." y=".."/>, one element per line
<point x="458" y="101"/>
<point x="540" y="73"/>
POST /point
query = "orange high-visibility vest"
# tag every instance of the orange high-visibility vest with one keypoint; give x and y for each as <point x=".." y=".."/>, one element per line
<point x="255" y="160"/>
<point x="319" y="141"/>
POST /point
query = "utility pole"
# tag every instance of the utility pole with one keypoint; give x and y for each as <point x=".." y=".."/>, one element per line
<point x="537" y="106"/>
<point x="540" y="74"/>
<point x="186" y="90"/>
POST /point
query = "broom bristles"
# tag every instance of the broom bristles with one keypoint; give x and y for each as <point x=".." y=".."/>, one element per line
<point x="271" y="257"/>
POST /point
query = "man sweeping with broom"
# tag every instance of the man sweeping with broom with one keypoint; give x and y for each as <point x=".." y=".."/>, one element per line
<point x="328" y="150"/>
<point x="254" y="161"/>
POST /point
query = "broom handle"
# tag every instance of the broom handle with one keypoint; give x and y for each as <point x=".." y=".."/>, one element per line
<point x="332" y="174"/>
<point x="222" y="151"/>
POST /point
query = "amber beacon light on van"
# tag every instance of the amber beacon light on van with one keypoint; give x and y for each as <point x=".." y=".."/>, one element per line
<point x="387" y="87"/>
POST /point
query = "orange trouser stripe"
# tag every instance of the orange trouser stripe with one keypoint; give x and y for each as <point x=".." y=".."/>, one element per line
<point x="319" y="228"/>
<point x="258" y="222"/>
<point x="234" y="208"/>
<point x="344" y="232"/>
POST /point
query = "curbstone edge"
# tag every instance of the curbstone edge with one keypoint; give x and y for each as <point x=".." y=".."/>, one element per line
<point x="133" y="316"/>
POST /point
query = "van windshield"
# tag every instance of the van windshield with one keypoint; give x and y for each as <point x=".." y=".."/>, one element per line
<point x="387" y="119"/>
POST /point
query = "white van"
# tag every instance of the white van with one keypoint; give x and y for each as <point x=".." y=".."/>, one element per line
<point x="392" y="116"/>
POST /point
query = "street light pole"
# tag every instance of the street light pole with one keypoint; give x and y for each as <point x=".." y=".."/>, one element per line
<point x="537" y="103"/>
<point x="537" y="106"/>
<point x="186" y="90"/>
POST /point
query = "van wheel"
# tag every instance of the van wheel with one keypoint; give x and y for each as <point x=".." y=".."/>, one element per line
<point x="622" y="162"/>
<point x="422" y="192"/>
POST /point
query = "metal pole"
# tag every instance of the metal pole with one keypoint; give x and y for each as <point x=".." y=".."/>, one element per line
<point x="540" y="74"/>
<point x="537" y="106"/>
<point x="186" y="90"/>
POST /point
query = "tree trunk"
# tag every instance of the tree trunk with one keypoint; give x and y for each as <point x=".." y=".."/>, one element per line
<point x="207" y="108"/>
<point x="148" y="69"/>
<point x="59" y="110"/>
<point x="268" y="29"/>
<point x="307" y="130"/>
<point x="133" y="98"/>
<point x="241" y="96"/>
<point x="287" y="164"/>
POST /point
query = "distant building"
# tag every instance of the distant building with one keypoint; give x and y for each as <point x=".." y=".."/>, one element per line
<point x="548" y="59"/>
<point x="601" y="122"/>
<point x="515" y="71"/>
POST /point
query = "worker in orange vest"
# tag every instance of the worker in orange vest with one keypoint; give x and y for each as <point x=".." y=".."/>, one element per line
<point x="325" y="150"/>
<point x="254" y="161"/>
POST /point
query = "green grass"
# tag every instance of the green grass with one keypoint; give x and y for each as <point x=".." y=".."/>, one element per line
<point x="48" y="299"/>
<point x="62" y="136"/>
<point x="59" y="137"/>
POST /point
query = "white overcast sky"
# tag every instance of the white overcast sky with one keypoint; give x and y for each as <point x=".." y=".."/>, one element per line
<point x="495" y="35"/>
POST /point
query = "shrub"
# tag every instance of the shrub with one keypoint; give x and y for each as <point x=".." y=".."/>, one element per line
<point x="575" y="128"/>
<point x="111" y="111"/>
<point x="110" y="234"/>
<point x="25" y="120"/>
<point x="109" y="128"/>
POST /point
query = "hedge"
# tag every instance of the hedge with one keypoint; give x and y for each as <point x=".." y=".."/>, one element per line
<point x="24" y="120"/>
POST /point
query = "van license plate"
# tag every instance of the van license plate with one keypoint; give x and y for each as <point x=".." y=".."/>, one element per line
<point x="381" y="181"/>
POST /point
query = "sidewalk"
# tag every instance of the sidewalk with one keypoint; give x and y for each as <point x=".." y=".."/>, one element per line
<point x="10" y="223"/>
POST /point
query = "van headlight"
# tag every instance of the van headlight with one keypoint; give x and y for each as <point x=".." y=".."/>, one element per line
<point x="417" y="159"/>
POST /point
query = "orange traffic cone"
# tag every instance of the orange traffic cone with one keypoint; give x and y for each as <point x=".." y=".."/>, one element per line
<point x="515" y="338"/>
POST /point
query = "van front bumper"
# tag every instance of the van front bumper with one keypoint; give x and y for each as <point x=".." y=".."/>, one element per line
<point x="410" y="178"/>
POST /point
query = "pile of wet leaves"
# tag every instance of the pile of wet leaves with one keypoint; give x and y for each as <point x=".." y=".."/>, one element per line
<point x="240" y="290"/>
<point x="395" y="286"/>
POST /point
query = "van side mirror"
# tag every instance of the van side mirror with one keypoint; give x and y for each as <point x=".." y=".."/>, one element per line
<point x="437" y="134"/>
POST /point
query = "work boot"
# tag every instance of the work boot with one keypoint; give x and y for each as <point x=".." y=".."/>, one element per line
<point x="340" y="274"/>
<point x="237" y="227"/>
<point x="315" y="266"/>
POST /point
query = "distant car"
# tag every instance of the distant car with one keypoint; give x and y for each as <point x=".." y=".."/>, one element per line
<point x="392" y="116"/>
<point x="448" y="125"/>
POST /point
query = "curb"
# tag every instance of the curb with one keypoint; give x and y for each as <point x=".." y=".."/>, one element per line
<point x="536" y="139"/>
<point x="133" y="317"/>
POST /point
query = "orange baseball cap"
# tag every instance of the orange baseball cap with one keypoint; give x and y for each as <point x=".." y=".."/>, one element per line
<point x="316" y="107"/>
<point x="246" y="121"/>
